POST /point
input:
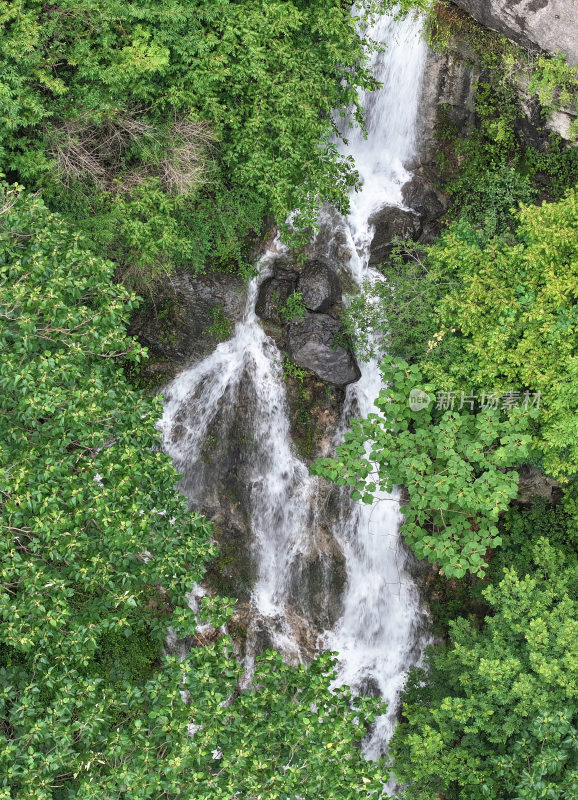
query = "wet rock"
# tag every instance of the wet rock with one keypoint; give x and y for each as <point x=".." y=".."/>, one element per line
<point x="315" y="343"/>
<point x="319" y="286"/>
<point x="391" y="223"/>
<point x="317" y="582"/>
<point x="283" y="268"/>
<point x="179" y="326"/>
<point x="448" y="94"/>
<point x="332" y="243"/>
<point x="550" y="25"/>
<point x="217" y="482"/>
<point x="273" y="293"/>
<point x="532" y="128"/>
<point x="275" y="290"/>
<point x="423" y="198"/>
<point x="534" y="484"/>
<point x="314" y="411"/>
<point x="369" y="687"/>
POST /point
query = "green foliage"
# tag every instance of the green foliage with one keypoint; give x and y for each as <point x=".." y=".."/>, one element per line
<point x="293" y="370"/>
<point x="294" y="308"/>
<point x="91" y="522"/>
<point x="510" y="323"/>
<point x="555" y="83"/>
<point x="97" y="553"/>
<point x="292" y="737"/>
<point x="498" y="716"/>
<point x="221" y="327"/>
<point x="169" y="129"/>
<point x="520" y="528"/>
<point x="148" y="232"/>
<point x="555" y="167"/>
<point x="454" y="465"/>
<point x="396" y="315"/>
<point x="491" y="181"/>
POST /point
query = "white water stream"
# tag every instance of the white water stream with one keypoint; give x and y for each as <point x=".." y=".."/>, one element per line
<point x="378" y="635"/>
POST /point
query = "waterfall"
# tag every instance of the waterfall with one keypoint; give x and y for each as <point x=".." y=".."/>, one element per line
<point x="377" y="636"/>
<point x="280" y="488"/>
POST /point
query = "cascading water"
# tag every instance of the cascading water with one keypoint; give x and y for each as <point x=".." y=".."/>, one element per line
<point x="280" y="488"/>
<point x="377" y="636"/>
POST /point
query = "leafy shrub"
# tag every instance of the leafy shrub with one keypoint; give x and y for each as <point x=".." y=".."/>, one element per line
<point x="293" y="308"/>
<point x="510" y="323"/>
<point x="396" y="314"/>
<point x="453" y="464"/>
<point x="496" y="715"/>
<point x="175" y="122"/>
<point x="292" y="370"/>
<point x="97" y="554"/>
<point x="555" y="83"/>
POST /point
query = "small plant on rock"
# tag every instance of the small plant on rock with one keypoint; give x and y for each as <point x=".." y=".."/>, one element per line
<point x="221" y="327"/>
<point x="294" y="308"/>
<point x="292" y="370"/>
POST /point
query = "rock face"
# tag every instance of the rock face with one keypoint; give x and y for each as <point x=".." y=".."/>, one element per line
<point x="319" y="286"/>
<point x="317" y="582"/>
<point x="314" y="345"/>
<point x="421" y="196"/>
<point x="391" y="223"/>
<point x="449" y="85"/>
<point x="533" y="484"/>
<point x="450" y="77"/>
<point x="551" y="25"/>
<point x="180" y="327"/>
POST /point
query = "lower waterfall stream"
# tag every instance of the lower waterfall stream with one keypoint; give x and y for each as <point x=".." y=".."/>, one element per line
<point x="380" y="631"/>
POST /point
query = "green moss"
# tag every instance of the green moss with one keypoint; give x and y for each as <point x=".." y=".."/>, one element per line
<point x="305" y="432"/>
<point x="447" y="23"/>
<point x="231" y="573"/>
<point x="221" y="327"/>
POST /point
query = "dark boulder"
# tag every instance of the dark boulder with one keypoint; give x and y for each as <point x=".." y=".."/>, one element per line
<point x="420" y="196"/>
<point x="391" y="223"/>
<point x="273" y="293"/>
<point x="315" y="344"/>
<point x="275" y="290"/>
<point x="319" y="286"/>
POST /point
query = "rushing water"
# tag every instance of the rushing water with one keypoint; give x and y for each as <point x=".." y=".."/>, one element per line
<point x="378" y="635"/>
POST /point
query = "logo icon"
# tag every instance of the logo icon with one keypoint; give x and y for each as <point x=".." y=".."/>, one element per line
<point x="418" y="399"/>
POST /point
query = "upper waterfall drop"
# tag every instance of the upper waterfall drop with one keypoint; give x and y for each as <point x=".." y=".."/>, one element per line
<point x="381" y="156"/>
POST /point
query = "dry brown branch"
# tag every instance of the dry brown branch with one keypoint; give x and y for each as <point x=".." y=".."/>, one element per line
<point x="186" y="163"/>
<point x="95" y="151"/>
